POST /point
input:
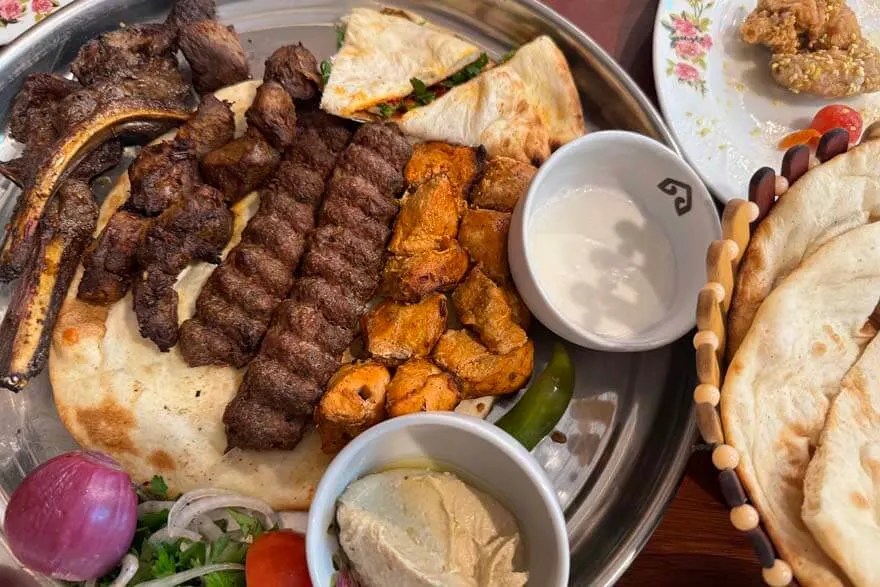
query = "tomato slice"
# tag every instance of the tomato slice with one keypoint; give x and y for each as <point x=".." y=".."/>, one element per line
<point x="277" y="559"/>
<point x="799" y="137"/>
<point x="838" y="116"/>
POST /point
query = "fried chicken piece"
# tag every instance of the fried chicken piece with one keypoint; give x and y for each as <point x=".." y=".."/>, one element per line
<point x="460" y="164"/>
<point x="832" y="73"/>
<point x="428" y="218"/>
<point x="792" y="26"/>
<point x="421" y="386"/>
<point x="354" y="401"/>
<point x="482" y="304"/>
<point x="395" y="332"/>
<point x="409" y="279"/>
<point x="483" y="233"/>
<point x="503" y="183"/>
<point x="518" y="309"/>
<point x="479" y="371"/>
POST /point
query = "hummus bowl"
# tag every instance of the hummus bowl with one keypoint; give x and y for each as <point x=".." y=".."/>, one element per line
<point x="480" y="453"/>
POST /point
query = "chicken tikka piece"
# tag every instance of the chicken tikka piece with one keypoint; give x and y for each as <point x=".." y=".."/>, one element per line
<point x="462" y="165"/>
<point x="421" y="386"/>
<point x="479" y="371"/>
<point x="410" y="278"/>
<point x="428" y="218"/>
<point x="483" y="234"/>
<point x="817" y="46"/>
<point x="482" y="304"/>
<point x="503" y="182"/>
<point x="395" y="331"/>
<point x="354" y="401"/>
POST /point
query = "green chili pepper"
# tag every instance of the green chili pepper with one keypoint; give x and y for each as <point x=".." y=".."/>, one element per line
<point x="542" y="405"/>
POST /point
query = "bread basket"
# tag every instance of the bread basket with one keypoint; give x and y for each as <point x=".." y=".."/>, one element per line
<point x="722" y="263"/>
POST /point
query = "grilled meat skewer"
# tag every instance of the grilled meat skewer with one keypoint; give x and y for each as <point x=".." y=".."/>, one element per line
<point x="27" y="327"/>
<point x="235" y="305"/>
<point x="341" y="267"/>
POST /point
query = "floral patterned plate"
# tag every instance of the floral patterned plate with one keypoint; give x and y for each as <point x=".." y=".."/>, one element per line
<point x="717" y="95"/>
<point x="17" y="16"/>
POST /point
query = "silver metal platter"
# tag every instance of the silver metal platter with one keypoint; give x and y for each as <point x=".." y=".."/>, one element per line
<point x="630" y="427"/>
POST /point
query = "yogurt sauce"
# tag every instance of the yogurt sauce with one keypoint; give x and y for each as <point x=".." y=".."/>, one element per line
<point x="603" y="263"/>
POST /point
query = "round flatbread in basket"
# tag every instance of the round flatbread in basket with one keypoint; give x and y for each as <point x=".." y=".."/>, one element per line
<point x="787" y="361"/>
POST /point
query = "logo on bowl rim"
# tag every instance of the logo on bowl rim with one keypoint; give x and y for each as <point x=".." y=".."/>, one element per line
<point x="672" y="187"/>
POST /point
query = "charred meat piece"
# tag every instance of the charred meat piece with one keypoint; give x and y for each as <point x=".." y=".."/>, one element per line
<point x="355" y="401"/>
<point x="409" y="279"/>
<point x="162" y="174"/>
<point x="480" y="303"/>
<point x="111" y="259"/>
<point x="214" y="53"/>
<point x="462" y="165"/>
<point x="239" y="167"/>
<point x="235" y="306"/>
<point x="274" y="115"/>
<point x="296" y="69"/>
<point x="184" y="12"/>
<point x="300" y="353"/>
<point x="483" y="233"/>
<point x="253" y="425"/>
<point x="395" y="331"/>
<point x="197" y="227"/>
<point x="420" y="386"/>
<point x="123" y="52"/>
<point x="212" y="127"/>
<point x="428" y="219"/>
<point x="503" y="183"/>
<point x="34" y="104"/>
<point x="76" y="144"/>
<point x="27" y="327"/>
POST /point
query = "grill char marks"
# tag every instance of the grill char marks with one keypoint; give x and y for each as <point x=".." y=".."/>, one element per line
<point x="309" y="332"/>
<point x="160" y="176"/>
<point x="235" y="305"/>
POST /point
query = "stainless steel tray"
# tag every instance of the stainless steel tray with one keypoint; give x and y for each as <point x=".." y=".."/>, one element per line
<point x="630" y="427"/>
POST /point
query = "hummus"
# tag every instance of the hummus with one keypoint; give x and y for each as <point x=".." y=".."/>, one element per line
<point x="412" y="527"/>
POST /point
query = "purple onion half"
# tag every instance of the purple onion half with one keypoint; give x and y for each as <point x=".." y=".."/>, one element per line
<point x="73" y="517"/>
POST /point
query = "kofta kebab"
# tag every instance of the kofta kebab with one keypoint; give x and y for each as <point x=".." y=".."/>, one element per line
<point x="328" y="298"/>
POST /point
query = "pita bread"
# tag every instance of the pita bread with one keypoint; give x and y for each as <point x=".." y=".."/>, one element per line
<point x="805" y="337"/>
<point x="382" y="52"/>
<point x="828" y="200"/>
<point x="842" y="487"/>
<point x="552" y="92"/>
<point x="492" y="110"/>
<point x="115" y="392"/>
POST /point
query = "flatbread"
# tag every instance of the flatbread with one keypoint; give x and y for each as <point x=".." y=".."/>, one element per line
<point x="830" y="199"/>
<point x="842" y="487"/>
<point x="116" y="393"/>
<point x="382" y="52"/>
<point x="492" y="110"/>
<point x="552" y="92"/>
<point x="806" y="335"/>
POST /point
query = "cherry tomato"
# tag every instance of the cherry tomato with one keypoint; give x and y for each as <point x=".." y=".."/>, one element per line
<point x="277" y="559"/>
<point x="838" y="116"/>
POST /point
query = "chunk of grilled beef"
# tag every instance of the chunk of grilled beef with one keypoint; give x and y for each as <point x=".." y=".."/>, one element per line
<point x="236" y="304"/>
<point x="123" y="52"/>
<point x="160" y="175"/>
<point x="65" y="231"/>
<point x="296" y="69"/>
<point x="214" y="53"/>
<point x="212" y="127"/>
<point x="184" y="12"/>
<point x="307" y="334"/>
<point x="274" y="115"/>
<point x="241" y="166"/>
<point x="195" y="227"/>
<point x="111" y="259"/>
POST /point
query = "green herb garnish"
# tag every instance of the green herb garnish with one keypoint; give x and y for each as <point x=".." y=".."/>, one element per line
<point x="326" y="67"/>
<point x="250" y="526"/>
<point x="386" y="109"/>
<point x="421" y="93"/>
<point x="340" y="35"/>
<point x="155" y="490"/>
<point x="509" y="55"/>
<point x="467" y="73"/>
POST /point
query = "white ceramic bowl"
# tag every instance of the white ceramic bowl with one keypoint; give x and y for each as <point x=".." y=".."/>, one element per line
<point x="667" y="190"/>
<point x="469" y="446"/>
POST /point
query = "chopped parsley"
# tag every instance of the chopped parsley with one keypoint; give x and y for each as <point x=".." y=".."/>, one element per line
<point x="156" y="489"/>
<point x="421" y="93"/>
<point x="326" y="67"/>
<point x="340" y="35"/>
<point x="386" y="109"/>
<point x="467" y="73"/>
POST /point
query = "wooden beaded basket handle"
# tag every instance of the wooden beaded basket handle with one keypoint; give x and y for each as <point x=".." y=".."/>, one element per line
<point x="722" y="261"/>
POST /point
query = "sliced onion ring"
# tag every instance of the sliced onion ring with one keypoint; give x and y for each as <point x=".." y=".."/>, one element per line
<point x="186" y="515"/>
<point x="190" y="575"/>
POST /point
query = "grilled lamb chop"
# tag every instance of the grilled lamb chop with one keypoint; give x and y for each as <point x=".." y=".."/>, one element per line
<point x="27" y="327"/>
<point x="235" y="305"/>
<point x="215" y="54"/>
<point x="340" y="272"/>
<point x="296" y="69"/>
<point x="124" y="53"/>
<point x="274" y="115"/>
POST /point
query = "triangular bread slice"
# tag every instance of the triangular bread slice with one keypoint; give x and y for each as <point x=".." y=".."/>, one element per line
<point x="493" y="110"/>
<point x="382" y="52"/>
